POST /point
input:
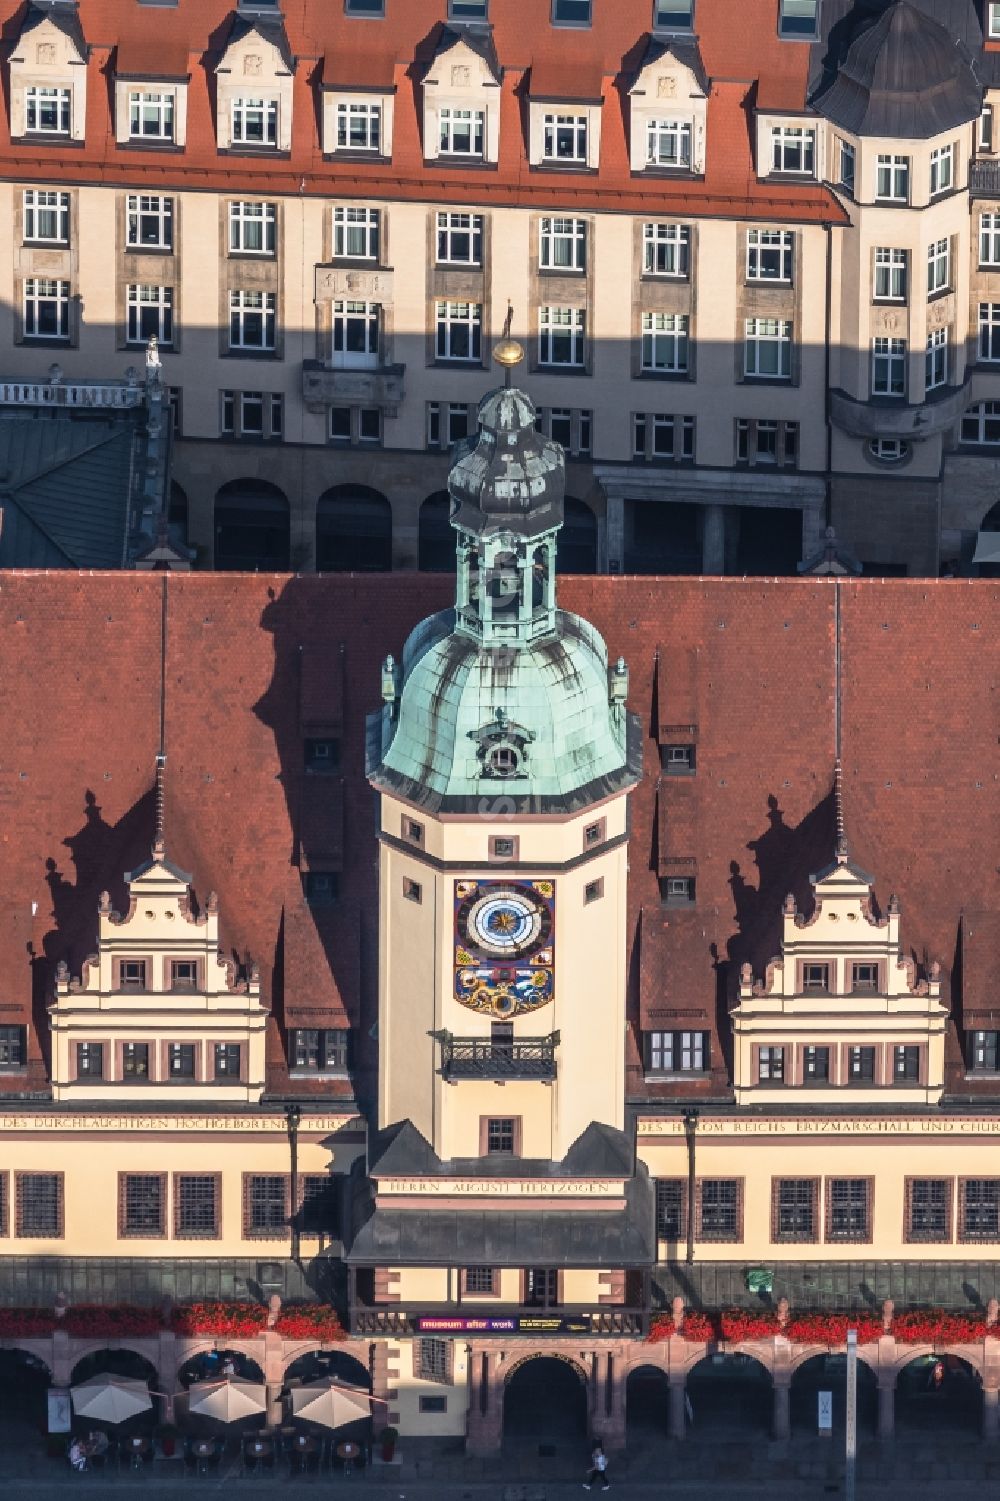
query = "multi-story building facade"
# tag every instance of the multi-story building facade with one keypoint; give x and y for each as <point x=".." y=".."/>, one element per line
<point x="629" y="964"/>
<point x="752" y="269"/>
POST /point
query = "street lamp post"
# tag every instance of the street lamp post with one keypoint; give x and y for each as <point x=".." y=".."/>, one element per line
<point x="690" y="1129"/>
<point x="851" y="1426"/>
<point x="293" y="1116"/>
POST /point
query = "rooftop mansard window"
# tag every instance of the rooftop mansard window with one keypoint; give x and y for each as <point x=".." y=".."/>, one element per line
<point x="669" y="143"/>
<point x="571" y="12"/>
<point x="150" y="116"/>
<point x="254" y="122"/>
<point x="359" y="126"/>
<point x="983" y="1051"/>
<point x="320" y="1051"/>
<point x="374" y="8"/>
<point x="798" y="20"/>
<point x="48" y="111"/>
<point x="462" y="132"/>
<point x="677" y="1052"/>
<point x="564" y="139"/>
<point x="673" y="15"/>
<point x="793" y="149"/>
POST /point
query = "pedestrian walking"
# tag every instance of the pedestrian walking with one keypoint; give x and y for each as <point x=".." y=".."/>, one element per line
<point x="598" y="1467"/>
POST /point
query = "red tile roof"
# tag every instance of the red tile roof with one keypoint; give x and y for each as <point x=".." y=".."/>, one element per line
<point x="345" y="51"/>
<point x="560" y="78"/>
<point x="145" y="54"/>
<point x="751" y="663"/>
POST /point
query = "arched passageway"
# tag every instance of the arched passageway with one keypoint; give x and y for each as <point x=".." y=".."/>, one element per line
<point x="319" y="1365"/>
<point x="177" y="510"/>
<point x="647" y="1400"/>
<point x="730" y="1391"/>
<point x="436" y="535"/>
<point x="934" y="1392"/>
<point x="545" y="1398"/>
<point x="24" y="1384"/>
<point x="353" y="531"/>
<point x="252" y="528"/>
<point x="215" y="1365"/>
<point x="828" y="1373"/>
<point x="121" y="1362"/>
<point x="577" y="541"/>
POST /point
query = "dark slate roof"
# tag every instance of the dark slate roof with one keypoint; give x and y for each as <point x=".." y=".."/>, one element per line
<point x="270" y="28"/>
<point x="64" y="490"/>
<point x="903" y="75"/>
<point x="478" y="38"/>
<point x="684" y="48"/>
<point x="400" y="1151"/>
<point x="63" y="14"/>
<point x="510" y="1237"/>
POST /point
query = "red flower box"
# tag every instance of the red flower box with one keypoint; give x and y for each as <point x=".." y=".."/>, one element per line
<point x="741" y="1323"/>
<point x="242" y="1320"/>
<point x="937" y="1326"/>
<point x="88" y="1319"/>
<point x="24" y="1323"/>
<point x="831" y="1328"/>
<point x="310" y="1321"/>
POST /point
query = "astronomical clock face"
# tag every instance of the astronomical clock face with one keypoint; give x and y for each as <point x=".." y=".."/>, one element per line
<point x="504" y="945"/>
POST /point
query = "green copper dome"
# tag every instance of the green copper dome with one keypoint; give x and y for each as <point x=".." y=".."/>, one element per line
<point x="506" y="703"/>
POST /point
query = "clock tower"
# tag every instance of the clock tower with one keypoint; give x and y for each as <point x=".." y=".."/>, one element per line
<point x="503" y="754"/>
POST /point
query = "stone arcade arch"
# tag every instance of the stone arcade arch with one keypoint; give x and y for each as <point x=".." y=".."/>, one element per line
<point x="647" y="1400"/>
<point x="934" y="1391"/>
<point x="545" y="1397"/>
<point x="121" y="1361"/>
<point x="353" y="530"/>
<point x="210" y="1365"/>
<point x="436" y="536"/>
<point x="24" y="1383"/>
<point x="731" y="1389"/>
<point x="252" y="527"/>
<point x="827" y="1372"/>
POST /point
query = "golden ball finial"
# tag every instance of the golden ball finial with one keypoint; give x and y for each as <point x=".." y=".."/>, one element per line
<point x="508" y="351"/>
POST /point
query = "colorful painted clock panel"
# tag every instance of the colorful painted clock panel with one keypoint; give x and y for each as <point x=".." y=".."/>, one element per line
<point x="504" y="945"/>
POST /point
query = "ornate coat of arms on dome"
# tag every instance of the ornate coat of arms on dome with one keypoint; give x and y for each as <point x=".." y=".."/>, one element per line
<point x="504" y="945"/>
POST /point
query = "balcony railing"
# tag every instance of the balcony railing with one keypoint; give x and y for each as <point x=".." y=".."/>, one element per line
<point x="79" y="395"/>
<point x="481" y="1058"/>
<point x="984" y="179"/>
<point x="490" y="1321"/>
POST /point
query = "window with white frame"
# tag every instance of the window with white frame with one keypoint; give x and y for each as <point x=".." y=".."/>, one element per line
<point x="252" y="414"/>
<point x="149" y="313"/>
<point x="149" y="221"/>
<point x="942" y="174"/>
<point x="993" y="20"/>
<point x="447" y="423"/>
<point x="888" y="450"/>
<point x="936" y="359"/>
<point x="252" y="228"/>
<point x="150" y="116"/>
<point x="892" y="178"/>
<point x="462" y="132"/>
<point x="355" y="233"/>
<point x="564" y="138"/>
<point x="560" y="336"/>
<point x="669" y="143"/>
<point x="989" y="239"/>
<point x="769" y="254"/>
<point x="888" y="367"/>
<point x="798" y="19"/>
<point x="666" y="250"/>
<point x="890" y="274"/>
<point x="938" y="266"/>
<point x="673" y="15"/>
<point x="359" y="127"/>
<point x="846" y="165"/>
<point x="989" y="331"/>
<point x="767" y="349"/>
<point x="766" y="443"/>
<point x="659" y="437"/>
<point x="459" y="239"/>
<point x="984" y="135"/>
<point x="46" y="216"/>
<point x="252" y="320"/>
<point x="47" y="111"/>
<point x="458" y="331"/>
<point x="254" y="122"/>
<point x="981" y="424"/>
<point x="46" y="308"/>
<point x="562" y="244"/>
<point x="793" y="149"/>
<point x="355" y="334"/>
<point x="665" y="343"/>
<point x="676" y="1052"/>
<point x="569" y="426"/>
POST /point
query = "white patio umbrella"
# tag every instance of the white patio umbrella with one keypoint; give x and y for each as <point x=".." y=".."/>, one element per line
<point x="227" y="1400"/>
<point x="110" y="1399"/>
<point x="331" y="1403"/>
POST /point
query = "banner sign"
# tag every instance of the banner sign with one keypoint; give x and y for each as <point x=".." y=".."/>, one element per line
<point x="517" y="1324"/>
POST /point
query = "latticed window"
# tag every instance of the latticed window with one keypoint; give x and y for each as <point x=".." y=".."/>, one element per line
<point x="90" y="1060"/>
<point x="227" y="1060"/>
<point x="771" y="1066"/>
<point x="989" y="239"/>
<point x="359" y="127"/>
<point x="816" y="1065"/>
<point x="46" y="216"/>
<point x="719" y="1209"/>
<point x="848" y="1215"/>
<point x="501" y="1136"/>
<point x="480" y="1279"/>
<point x="355" y="233"/>
<point x="928" y="1209"/>
<point x="906" y="1063"/>
<point x="265" y="1204"/>
<point x="142" y="1204"/>
<point x="671" y="1208"/>
<point x="150" y="221"/>
<point x="255" y="122"/>
<point x="151" y="116"/>
<point x="769" y="254"/>
<point x="12" y="1052"/>
<point x="665" y="343"/>
<point x="462" y="132"/>
<point x="564" y="138"/>
<point x="135" y="1060"/>
<point x="979" y="1214"/>
<point x="861" y="1065"/>
<point x="39" y="1206"/>
<point x="196" y="1205"/>
<point x="47" y="111"/>
<point x="677" y="1052"/>
<point x="318" y="1212"/>
<point x="560" y="336"/>
<point x="793" y="148"/>
<point x="459" y="239"/>
<point x="180" y="1060"/>
<point x="794" y="1209"/>
<point x="252" y="318"/>
<point x="562" y="244"/>
<point x="320" y="1051"/>
<point x="252" y="228"/>
<point x="668" y="143"/>
<point x="984" y="1052"/>
<point x="432" y="1360"/>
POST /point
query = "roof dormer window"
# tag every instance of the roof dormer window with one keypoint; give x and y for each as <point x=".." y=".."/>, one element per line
<point x="571" y="12"/>
<point x="673" y="15"/>
<point x="798" y="20"/>
<point x="793" y="149"/>
<point x="374" y="8"/>
<point x="564" y="139"/>
<point x="47" y="111"/>
<point x="462" y="132"/>
<point x="254" y="122"/>
<point x="668" y="143"/>
<point x="150" y="116"/>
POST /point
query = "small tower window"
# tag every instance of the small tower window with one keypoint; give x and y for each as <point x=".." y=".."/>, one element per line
<point x="503" y="761"/>
<point x="412" y="890"/>
<point x="677" y="760"/>
<point x="413" y="832"/>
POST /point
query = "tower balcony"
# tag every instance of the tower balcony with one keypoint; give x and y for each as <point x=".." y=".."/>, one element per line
<point x="376" y="386"/>
<point x="482" y="1058"/>
<point x="984" y="179"/>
